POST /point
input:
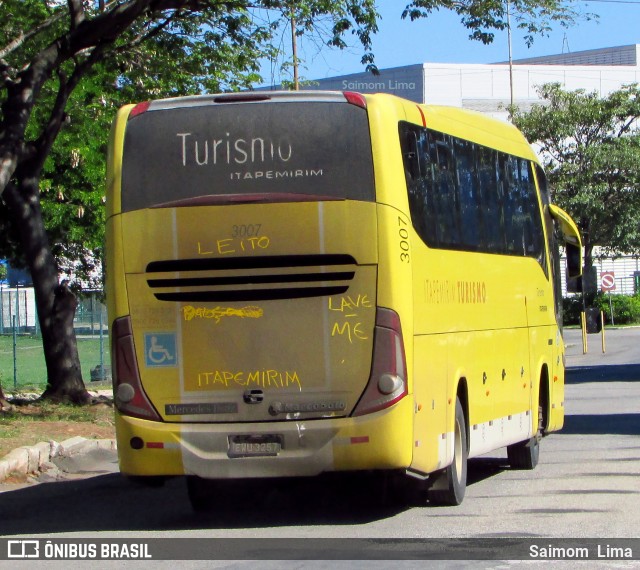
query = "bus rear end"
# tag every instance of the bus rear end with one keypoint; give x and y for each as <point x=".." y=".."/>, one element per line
<point x="242" y="282"/>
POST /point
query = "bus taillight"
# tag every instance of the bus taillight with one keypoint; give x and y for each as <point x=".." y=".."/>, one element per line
<point x="139" y="109"/>
<point x="356" y="99"/>
<point x="129" y="396"/>
<point x="388" y="380"/>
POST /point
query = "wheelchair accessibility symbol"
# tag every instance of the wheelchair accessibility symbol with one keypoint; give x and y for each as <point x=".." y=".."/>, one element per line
<point x="160" y="349"/>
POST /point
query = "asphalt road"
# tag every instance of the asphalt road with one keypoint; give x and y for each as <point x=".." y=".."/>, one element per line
<point x="586" y="484"/>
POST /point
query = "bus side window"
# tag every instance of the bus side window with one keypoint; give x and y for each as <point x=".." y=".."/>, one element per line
<point x="491" y="200"/>
<point x="524" y="227"/>
<point x="468" y="179"/>
<point x="468" y="197"/>
<point x="419" y="175"/>
<point x="513" y="214"/>
<point x="445" y="189"/>
<point x="535" y="233"/>
<point x="410" y="157"/>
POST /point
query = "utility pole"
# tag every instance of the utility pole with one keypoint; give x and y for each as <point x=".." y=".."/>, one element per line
<point x="510" y="56"/>
<point x="294" y="49"/>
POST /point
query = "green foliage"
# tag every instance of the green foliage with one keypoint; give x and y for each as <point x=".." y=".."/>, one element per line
<point x="481" y="17"/>
<point x="571" y="309"/>
<point x="626" y="309"/>
<point x="590" y="146"/>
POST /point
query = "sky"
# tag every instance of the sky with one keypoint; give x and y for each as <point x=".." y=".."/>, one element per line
<point x="443" y="39"/>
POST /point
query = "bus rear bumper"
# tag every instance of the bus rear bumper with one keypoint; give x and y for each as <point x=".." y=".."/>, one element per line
<point x="382" y="440"/>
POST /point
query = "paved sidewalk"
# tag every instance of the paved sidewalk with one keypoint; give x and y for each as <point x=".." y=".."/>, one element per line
<point x="52" y="461"/>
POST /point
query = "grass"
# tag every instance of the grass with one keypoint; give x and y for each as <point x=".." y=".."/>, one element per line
<point x="31" y="371"/>
<point x="46" y="411"/>
<point x="28" y="423"/>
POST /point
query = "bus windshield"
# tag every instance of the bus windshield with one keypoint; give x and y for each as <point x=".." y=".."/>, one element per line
<point x="186" y="153"/>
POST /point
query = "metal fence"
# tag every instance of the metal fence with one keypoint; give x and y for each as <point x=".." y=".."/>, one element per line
<point x="22" y="363"/>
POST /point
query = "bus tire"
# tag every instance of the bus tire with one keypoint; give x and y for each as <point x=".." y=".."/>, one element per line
<point x="201" y="492"/>
<point x="525" y="454"/>
<point x="450" y="484"/>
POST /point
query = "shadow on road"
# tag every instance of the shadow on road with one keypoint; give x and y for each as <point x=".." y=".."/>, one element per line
<point x="113" y="503"/>
<point x="482" y="468"/>
<point x="599" y="424"/>
<point x="612" y="373"/>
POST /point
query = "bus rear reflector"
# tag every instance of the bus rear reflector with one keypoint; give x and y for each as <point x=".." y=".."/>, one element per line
<point x="129" y="396"/>
<point x="356" y="99"/>
<point x="388" y="380"/>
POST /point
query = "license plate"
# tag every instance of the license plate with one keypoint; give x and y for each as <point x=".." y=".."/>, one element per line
<point x="254" y="445"/>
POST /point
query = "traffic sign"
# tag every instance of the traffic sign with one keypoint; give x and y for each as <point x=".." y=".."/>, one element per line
<point x="608" y="281"/>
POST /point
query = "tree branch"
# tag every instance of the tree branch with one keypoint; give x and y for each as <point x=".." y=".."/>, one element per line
<point x="624" y="129"/>
<point x="56" y="118"/>
<point x="76" y="12"/>
<point x="23" y="37"/>
<point x="144" y="36"/>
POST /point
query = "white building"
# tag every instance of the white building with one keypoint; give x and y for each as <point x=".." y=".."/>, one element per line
<point x="487" y="88"/>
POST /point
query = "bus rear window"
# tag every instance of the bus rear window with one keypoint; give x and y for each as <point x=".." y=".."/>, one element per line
<point x="295" y="148"/>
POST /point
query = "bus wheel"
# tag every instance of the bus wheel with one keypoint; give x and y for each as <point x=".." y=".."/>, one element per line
<point x="525" y="455"/>
<point x="450" y="484"/>
<point x="201" y="493"/>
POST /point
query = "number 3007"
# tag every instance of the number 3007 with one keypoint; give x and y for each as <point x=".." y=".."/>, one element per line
<point x="403" y="234"/>
<point x="248" y="230"/>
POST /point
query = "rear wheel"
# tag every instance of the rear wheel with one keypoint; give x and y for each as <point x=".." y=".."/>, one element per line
<point x="525" y="455"/>
<point x="451" y="483"/>
<point x="202" y="493"/>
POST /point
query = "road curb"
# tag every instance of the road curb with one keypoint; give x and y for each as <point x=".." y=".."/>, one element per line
<point x="30" y="460"/>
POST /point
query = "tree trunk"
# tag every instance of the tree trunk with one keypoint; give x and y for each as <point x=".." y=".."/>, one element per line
<point x="56" y="303"/>
<point x="588" y="254"/>
<point x="4" y="405"/>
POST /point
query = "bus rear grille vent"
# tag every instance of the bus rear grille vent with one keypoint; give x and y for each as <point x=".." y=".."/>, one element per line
<point x="244" y="279"/>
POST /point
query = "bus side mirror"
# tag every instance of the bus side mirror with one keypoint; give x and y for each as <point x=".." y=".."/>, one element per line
<point x="574" y="266"/>
<point x="572" y="241"/>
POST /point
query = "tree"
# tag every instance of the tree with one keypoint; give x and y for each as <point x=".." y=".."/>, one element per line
<point x="590" y="147"/>
<point x="50" y="49"/>
<point x="50" y="53"/>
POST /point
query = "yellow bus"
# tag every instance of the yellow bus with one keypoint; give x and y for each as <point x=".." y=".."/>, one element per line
<point x="302" y="283"/>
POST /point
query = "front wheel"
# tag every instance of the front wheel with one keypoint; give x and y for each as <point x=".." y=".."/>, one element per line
<point x="525" y="454"/>
<point x="451" y="483"/>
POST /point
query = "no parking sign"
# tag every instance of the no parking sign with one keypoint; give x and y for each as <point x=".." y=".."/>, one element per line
<point x="608" y="281"/>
